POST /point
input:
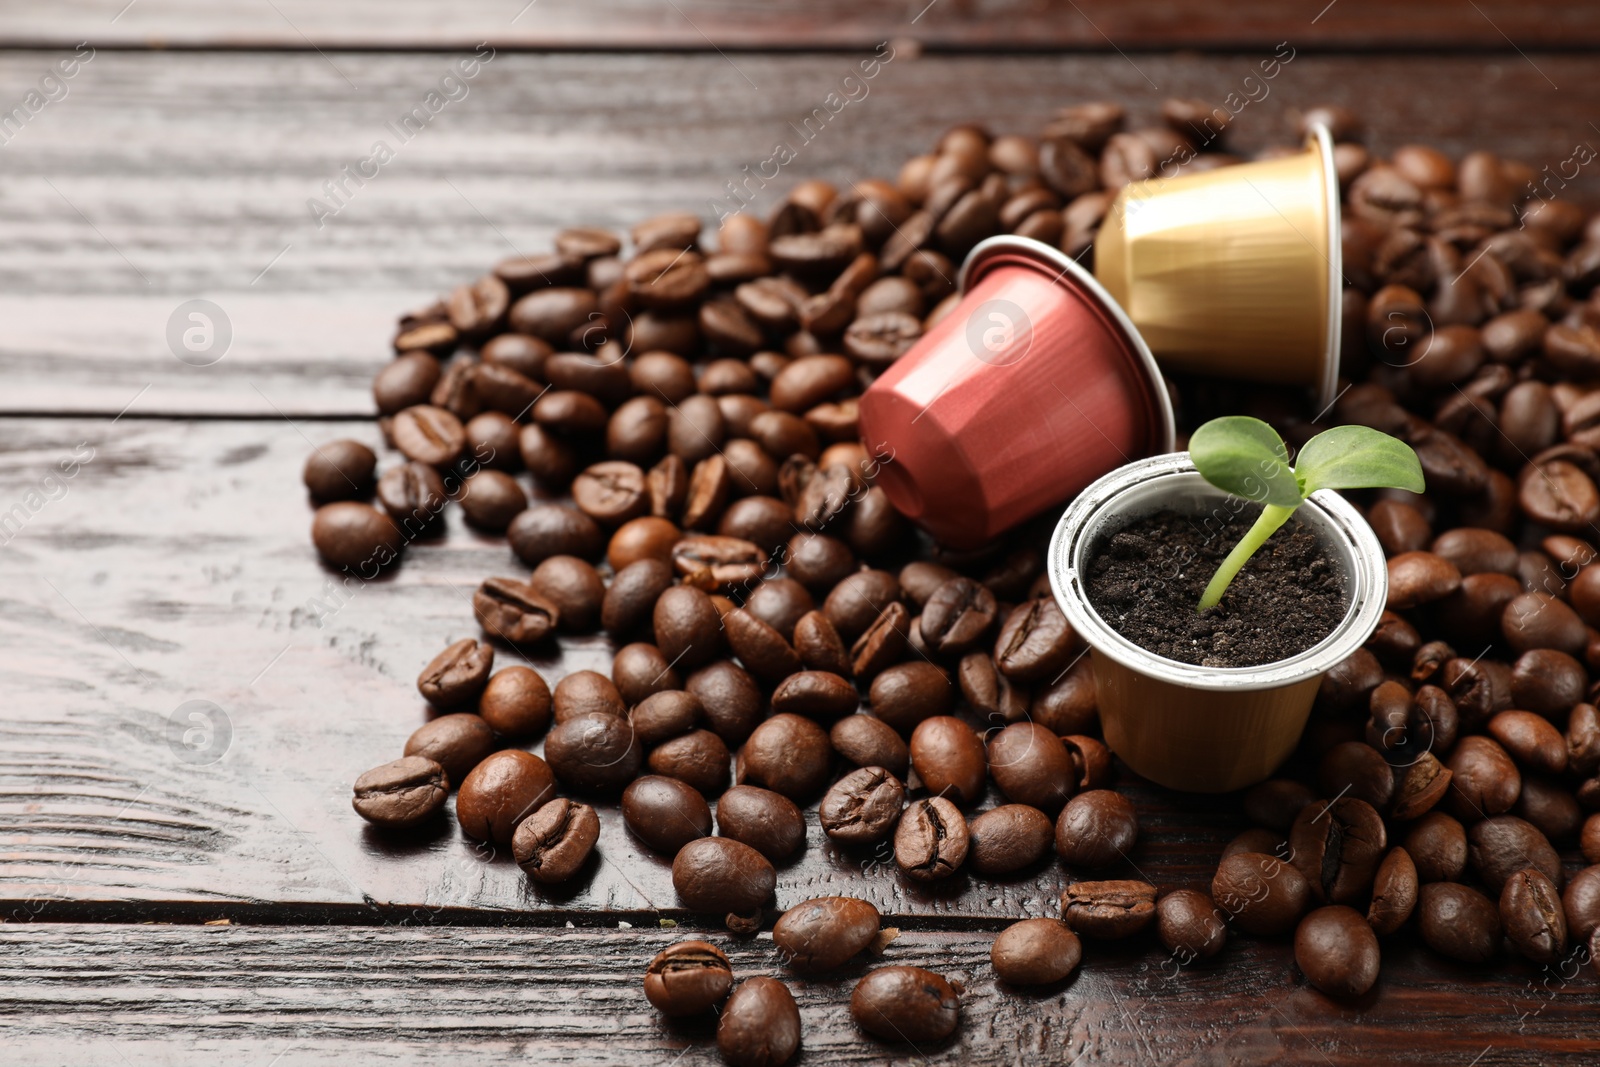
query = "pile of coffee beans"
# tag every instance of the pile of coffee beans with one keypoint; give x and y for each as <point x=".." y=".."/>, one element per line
<point x="686" y="414"/>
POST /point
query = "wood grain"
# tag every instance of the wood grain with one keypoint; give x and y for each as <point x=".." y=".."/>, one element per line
<point x="162" y="178"/>
<point x="698" y="25"/>
<point x="180" y="996"/>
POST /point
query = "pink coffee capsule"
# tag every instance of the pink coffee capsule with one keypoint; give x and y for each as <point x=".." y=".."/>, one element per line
<point x="1033" y="386"/>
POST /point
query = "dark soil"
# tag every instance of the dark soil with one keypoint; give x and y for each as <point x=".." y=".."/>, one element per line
<point x="1146" y="580"/>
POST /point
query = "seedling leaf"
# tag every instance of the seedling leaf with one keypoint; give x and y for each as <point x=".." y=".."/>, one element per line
<point x="1245" y="457"/>
<point x="1357" y="457"/>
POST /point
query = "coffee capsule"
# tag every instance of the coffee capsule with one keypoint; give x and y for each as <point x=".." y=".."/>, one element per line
<point x="1034" y="385"/>
<point x="1234" y="272"/>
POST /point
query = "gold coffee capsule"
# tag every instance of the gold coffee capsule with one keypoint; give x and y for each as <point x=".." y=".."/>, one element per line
<point x="1234" y="272"/>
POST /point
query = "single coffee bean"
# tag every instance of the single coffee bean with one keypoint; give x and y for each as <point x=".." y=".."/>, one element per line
<point x="867" y="741"/>
<point x="687" y="978"/>
<point x="1036" y="643"/>
<point x="698" y="758"/>
<point x="1264" y="895"/>
<point x="516" y="702"/>
<point x="546" y="530"/>
<point x="407" y="381"/>
<point x="1356" y="769"/>
<point x="515" y="611"/>
<point x="1394" y="892"/>
<point x="908" y="693"/>
<point x="664" y="813"/>
<point x="1583" y="739"/>
<point x="1547" y="682"/>
<point x="816" y="695"/>
<point x="1067" y="705"/>
<point x="863" y="807"/>
<point x="1531" y="912"/>
<point x="1337" y="951"/>
<point x="825" y="933"/>
<point x="490" y="499"/>
<point x="401" y="794"/>
<point x="931" y="841"/>
<point x="457" y="742"/>
<point x="819" y="645"/>
<point x="1530" y="739"/>
<point x="1539" y="620"/>
<point x="611" y="493"/>
<point x="1589" y="839"/>
<point x="759" y="1026"/>
<point x="990" y="692"/>
<point x="630" y="599"/>
<point x="1581" y="902"/>
<point x="647" y="537"/>
<point x="586" y="692"/>
<point x="1031" y="766"/>
<point x="413" y="495"/>
<point x="688" y="629"/>
<point x="1417" y="578"/>
<point x="882" y="645"/>
<point x="553" y="843"/>
<point x="1550" y="807"/>
<point x="640" y="671"/>
<point x="768" y="822"/>
<point x="761" y="649"/>
<point x="1458" y="921"/>
<point x="593" y="752"/>
<point x="1096" y="829"/>
<point x="780" y="603"/>
<point x="1476" y="551"/>
<point x="957" y="616"/>
<point x="1400" y="527"/>
<point x="1498" y="847"/>
<point x="1347" y="684"/>
<point x="789" y="755"/>
<point x="340" y="470"/>
<point x="857" y="601"/>
<point x="664" y="715"/>
<point x="1109" y="910"/>
<point x="1337" y="847"/>
<point x="458" y="675"/>
<point x="948" y="756"/>
<point x="1484" y="780"/>
<point x="1035" y="952"/>
<point x="1437" y="845"/>
<point x="355" y="537"/>
<point x="1189" y="925"/>
<point x="429" y="435"/>
<point x="1007" y="839"/>
<point x="574" y="587"/>
<point x="819" y="562"/>
<point x="500" y="792"/>
<point x="906" y="1004"/>
<point x="731" y="700"/>
<point x="717" y="875"/>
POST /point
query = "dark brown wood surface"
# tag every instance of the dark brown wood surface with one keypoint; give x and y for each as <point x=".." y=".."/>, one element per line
<point x="174" y="565"/>
<point x="695" y="25"/>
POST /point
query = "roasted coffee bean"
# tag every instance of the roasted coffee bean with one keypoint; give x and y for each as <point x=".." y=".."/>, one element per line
<point x="640" y="671"/>
<point x="1276" y="802"/>
<point x="1396" y="641"/>
<point x="1357" y="769"/>
<point x="401" y="794"/>
<point x="664" y="813"/>
<point x="457" y="742"/>
<point x="1549" y="806"/>
<point x="698" y="758"/>
<point x="1256" y="839"/>
<point x="731" y="700"/>
<point x="574" y="587"/>
<point x="1067" y="705"/>
<point x="515" y="611"/>
<point x="664" y="715"/>
<point x="867" y="741"/>
<point x="718" y="875"/>
<point x="585" y="693"/>
<point x="593" y="752"/>
<point x="1530" y="740"/>
<point x="428" y="434"/>
<point x="553" y="843"/>
<point x="931" y="840"/>
<point x="906" y="1004"/>
<point x="1264" y="895"/>
<point x="1035" y="952"/>
<point x="496" y="440"/>
<point x="957" y="616"/>
<point x="340" y="470"/>
<point x="857" y="601"/>
<point x="1400" y="527"/>
<point x="1394" y="892"/>
<point x="1539" y="620"/>
<point x="1347" y="684"/>
<point x="630" y="599"/>
<point x="1036" y="643"/>
<point x="1437" y="844"/>
<point x="1189" y="925"/>
<point x="1589" y="840"/>
<point x="1109" y="910"/>
<point x="516" y="702"/>
<point x="1030" y="765"/>
<point x="551" y="460"/>
<point x="820" y="562"/>
<point x="1419" y="787"/>
<point x="355" y="537"/>
<point x="948" y="756"/>
<point x="1096" y="829"/>
<point x="882" y="645"/>
<point x="1581" y="902"/>
<point x="759" y="1026"/>
<point x="1484" y="780"/>
<point x="863" y="807"/>
<point x="1558" y="494"/>
<point x="611" y="492"/>
<point x="1007" y="839"/>
<point x="647" y="537"/>
<point x="761" y="649"/>
<point x="1337" y="951"/>
<point x="500" y="792"/>
<point x="546" y="530"/>
<point x="688" y="629"/>
<point x="816" y="695"/>
<point x="406" y="382"/>
<point x="1547" y="682"/>
<point x="711" y="561"/>
<point x="1337" y="847"/>
<point x="687" y="978"/>
<point x="825" y="933"/>
<point x="1417" y="578"/>
<point x="1458" y="921"/>
<point x="1091" y="761"/>
<point x="1499" y="847"/>
<point x="907" y="693"/>
<point x="988" y="691"/>
<point x="1475" y="551"/>
<point x="456" y="676"/>
<point x="789" y="755"/>
<point x="819" y="645"/>
<point x="780" y="603"/>
<point x="922" y="578"/>
<point x="768" y="822"/>
<point x="413" y="495"/>
<point x="1583" y="739"/>
<point x="1531" y="912"/>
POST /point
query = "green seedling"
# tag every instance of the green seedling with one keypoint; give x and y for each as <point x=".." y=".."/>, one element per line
<point x="1247" y="458"/>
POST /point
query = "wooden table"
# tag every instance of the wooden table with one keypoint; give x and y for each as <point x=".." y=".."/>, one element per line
<point x="161" y="911"/>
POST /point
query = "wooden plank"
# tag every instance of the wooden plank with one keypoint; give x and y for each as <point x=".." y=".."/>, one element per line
<point x="956" y="25"/>
<point x="175" y="566"/>
<point x="162" y="178"/>
<point x="180" y="996"/>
